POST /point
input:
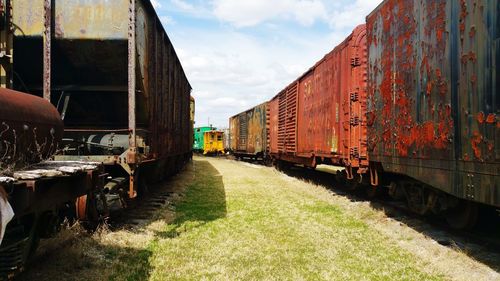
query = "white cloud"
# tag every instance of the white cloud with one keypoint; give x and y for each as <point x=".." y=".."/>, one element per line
<point x="352" y="13"/>
<point x="251" y="13"/>
<point x="233" y="69"/>
<point x="166" y="20"/>
<point x="183" y="5"/>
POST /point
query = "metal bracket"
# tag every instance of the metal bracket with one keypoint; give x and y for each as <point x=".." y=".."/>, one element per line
<point x="355" y="121"/>
<point x="355" y="61"/>
<point x="354" y="96"/>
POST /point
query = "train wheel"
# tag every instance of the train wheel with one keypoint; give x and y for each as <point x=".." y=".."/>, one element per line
<point x="395" y="191"/>
<point x="419" y="199"/>
<point x="463" y="216"/>
<point x="81" y="207"/>
<point x="86" y="211"/>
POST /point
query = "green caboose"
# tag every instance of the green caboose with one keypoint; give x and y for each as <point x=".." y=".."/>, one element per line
<point x="198" y="144"/>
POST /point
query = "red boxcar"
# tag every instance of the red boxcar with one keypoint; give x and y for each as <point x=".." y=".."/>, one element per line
<point x="319" y="117"/>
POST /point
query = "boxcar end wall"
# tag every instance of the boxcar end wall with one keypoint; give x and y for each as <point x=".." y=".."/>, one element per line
<point x="113" y="74"/>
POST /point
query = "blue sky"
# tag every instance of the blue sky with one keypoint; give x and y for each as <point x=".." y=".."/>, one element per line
<point x="239" y="53"/>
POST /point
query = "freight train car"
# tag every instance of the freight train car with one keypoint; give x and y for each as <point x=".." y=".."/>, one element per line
<point x="318" y="119"/>
<point x="249" y="133"/>
<point x="213" y="142"/>
<point x="433" y="107"/>
<point x="199" y="137"/>
<point x="112" y="72"/>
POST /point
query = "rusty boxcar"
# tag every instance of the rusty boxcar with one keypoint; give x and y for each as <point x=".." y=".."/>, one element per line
<point x="433" y="108"/>
<point x="318" y="119"/>
<point x="112" y="72"/>
<point x="249" y="133"/>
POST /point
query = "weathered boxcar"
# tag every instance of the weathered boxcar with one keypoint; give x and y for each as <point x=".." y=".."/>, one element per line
<point x="112" y="72"/>
<point x="433" y="107"/>
<point x="318" y="119"/>
<point x="249" y="132"/>
<point x="213" y="142"/>
<point x="199" y="137"/>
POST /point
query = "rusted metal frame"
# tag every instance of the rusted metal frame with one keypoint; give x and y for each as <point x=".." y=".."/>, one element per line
<point x="47" y="48"/>
<point x="267" y="130"/>
<point x="352" y="79"/>
<point x="106" y="160"/>
<point x="6" y="47"/>
<point x="44" y="193"/>
<point x="132" y="153"/>
<point x="105" y="131"/>
<point x="309" y="162"/>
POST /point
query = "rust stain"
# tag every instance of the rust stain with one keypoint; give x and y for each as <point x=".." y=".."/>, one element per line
<point x="403" y="134"/>
<point x="476" y="140"/>
<point x="491" y="146"/>
<point x="491" y="118"/>
<point x="481" y="117"/>
<point x="472" y="32"/>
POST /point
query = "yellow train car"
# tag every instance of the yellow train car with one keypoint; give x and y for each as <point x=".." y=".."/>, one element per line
<point x="213" y="142"/>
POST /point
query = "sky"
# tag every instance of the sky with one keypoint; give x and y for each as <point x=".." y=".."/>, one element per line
<point x="240" y="53"/>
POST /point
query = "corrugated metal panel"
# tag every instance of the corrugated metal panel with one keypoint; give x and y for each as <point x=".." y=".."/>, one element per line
<point x="243" y="132"/>
<point x="281" y="121"/>
<point x="287" y="119"/>
<point x="433" y="102"/>
<point x="291" y="119"/>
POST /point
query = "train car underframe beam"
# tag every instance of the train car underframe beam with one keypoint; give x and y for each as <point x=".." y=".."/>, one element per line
<point x="132" y="151"/>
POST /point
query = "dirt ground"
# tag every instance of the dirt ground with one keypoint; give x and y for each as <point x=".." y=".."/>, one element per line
<point x="170" y="243"/>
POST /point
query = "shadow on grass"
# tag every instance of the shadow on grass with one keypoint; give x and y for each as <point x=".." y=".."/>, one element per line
<point x="83" y="259"/>
<point x="432" y="226"/>
<point x="204" y="201"/>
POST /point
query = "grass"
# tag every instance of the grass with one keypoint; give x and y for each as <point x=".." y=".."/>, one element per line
<point x="253" y="225"/>
<point x="235" y="221"/>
